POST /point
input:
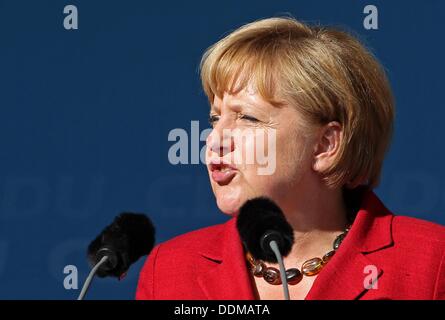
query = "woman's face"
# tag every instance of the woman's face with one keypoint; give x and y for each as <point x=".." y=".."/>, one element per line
<point x="255" y="149"/>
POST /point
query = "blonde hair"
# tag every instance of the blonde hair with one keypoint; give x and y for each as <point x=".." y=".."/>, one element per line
<point x="325" y="73"/>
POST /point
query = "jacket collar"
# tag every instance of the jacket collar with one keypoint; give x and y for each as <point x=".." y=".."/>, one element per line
<point x="342" y="278"/>
<point x="229" y="279"/>
<point x="371" y="230"/>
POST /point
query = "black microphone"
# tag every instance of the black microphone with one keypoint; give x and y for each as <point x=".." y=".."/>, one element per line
<point x="119" y="245"/>
<point x="265" y="233"/>
<point x="260" y="221"/>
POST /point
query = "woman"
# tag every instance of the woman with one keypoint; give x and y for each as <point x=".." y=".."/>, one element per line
<point x="325" y="103"/>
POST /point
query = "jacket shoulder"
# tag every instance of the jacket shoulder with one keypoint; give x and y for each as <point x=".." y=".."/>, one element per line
<point x="418" y="228"/>
<point x="421" y="248"/>
<point x="194" y="241"/>
<point x="169" y="261"/>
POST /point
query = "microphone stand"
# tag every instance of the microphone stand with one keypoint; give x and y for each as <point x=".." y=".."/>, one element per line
<point x="90" y="277"/>
<point x="274" y="246"/>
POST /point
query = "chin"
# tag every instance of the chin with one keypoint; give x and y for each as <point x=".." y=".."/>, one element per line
<point x="229" y="206"/>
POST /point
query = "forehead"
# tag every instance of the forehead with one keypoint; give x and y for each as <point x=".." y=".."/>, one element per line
<point x="247" y="98"/>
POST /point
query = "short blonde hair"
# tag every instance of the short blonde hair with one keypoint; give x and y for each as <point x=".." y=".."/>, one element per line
<point x="326" y="73"/>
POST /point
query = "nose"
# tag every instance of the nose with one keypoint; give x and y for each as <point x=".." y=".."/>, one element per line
<point x="220" y="141"/>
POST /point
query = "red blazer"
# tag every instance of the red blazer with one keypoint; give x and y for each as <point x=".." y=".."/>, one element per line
<point x="209" y="263"/>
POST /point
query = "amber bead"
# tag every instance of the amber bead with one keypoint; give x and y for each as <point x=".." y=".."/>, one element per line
<point x="312" y="267"/>
<point x="250" y="259"/>
<point x="338" y="241"/>
<point x="272" y="275"/>
<point x="328" y="256"/>
<point x="293" y="276"/>
<point x="258" y="269"/>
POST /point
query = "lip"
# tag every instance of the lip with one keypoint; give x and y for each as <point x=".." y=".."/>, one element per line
<point x="221" y="172"/>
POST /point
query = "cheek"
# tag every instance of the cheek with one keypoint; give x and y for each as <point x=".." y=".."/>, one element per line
<point x="252" y="146"/>
<point x="293" y="154"/>
<point x="243" y="149"/>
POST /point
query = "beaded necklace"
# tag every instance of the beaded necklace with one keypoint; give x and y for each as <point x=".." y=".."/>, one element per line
<point x="310" y="267"/>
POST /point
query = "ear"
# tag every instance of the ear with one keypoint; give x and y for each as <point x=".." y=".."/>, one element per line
<point x="327" y="146"/>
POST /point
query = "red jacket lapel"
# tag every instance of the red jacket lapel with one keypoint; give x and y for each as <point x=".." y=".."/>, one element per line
<point x="228" y="278"/>
<point x="344" y="276"/>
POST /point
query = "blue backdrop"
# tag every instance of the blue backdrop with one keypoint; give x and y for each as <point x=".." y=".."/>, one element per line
<point x="85" y="116"/>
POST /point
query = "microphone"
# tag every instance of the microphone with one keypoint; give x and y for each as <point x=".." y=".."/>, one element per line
<point x="118" y="246"/>
<point x="265" y="233"/>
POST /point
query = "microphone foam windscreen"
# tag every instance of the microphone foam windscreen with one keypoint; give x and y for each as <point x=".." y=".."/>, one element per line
<point x="258" y="216"/>
<point x="130" y="236"/>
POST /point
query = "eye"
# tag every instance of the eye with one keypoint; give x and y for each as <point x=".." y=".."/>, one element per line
<point x="248" y="118"/>
<point x="212" y="119"/>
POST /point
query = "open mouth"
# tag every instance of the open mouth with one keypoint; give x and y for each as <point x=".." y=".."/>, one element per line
<point x="222" y="173"/>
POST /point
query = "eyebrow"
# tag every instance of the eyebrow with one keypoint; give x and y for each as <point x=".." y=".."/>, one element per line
<point x="234" y="106"/>
<point x="214" y="108"/>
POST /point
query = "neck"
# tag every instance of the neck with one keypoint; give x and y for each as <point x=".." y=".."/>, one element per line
<point x="316" y="222"/>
